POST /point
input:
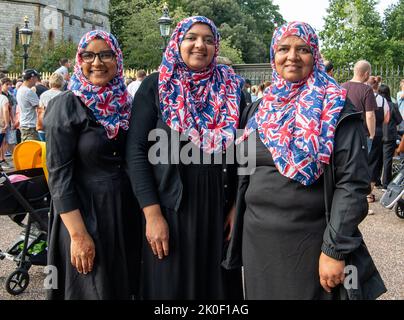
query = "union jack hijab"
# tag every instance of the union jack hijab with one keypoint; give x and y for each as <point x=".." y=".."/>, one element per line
<point x="296" y="121"/>
<point x="202" y="105"/>
<point x="111" y="104"/>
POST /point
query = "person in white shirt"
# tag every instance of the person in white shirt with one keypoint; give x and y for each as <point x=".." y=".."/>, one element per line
<point x="56" y="84"/>
<point x="28" y="102"/>
<point x="134" y="86"/>
<point x="64" y="69"/>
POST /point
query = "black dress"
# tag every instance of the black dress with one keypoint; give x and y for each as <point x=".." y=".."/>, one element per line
<point x="284" y="224"/>
<point x="197" y="243"/>
<point x="86" y="173"/>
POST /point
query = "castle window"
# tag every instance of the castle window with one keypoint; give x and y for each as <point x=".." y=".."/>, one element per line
<point x="17" y="36"/>
<point x="51" y="38"/>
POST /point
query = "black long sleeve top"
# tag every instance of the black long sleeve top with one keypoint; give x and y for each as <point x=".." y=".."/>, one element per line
<point x="160" y="183"/>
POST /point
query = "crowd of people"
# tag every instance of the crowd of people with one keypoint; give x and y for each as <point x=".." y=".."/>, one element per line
<point x="146" y="205"/>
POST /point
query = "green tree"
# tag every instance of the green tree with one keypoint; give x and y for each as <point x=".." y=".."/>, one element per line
<point x="140" y="38"/>
<point x="45" y="58"/>
<point x="265" y="15"/>
<point x="228" y="51"/>
<point x="51" y="58"/>
<point x="394" y="21"/>
<point x="247" y="24"/>
<point x="353" y="31"/>
<point x="393" y="25"/>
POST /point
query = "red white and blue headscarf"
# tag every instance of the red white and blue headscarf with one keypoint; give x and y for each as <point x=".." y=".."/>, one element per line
<point x="203" y="105"/>
<point x="297" y="121"/>
<point x="111" y="104"/>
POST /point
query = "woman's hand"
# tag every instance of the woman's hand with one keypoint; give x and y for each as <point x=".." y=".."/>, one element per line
<point x="82" y="252"/>
<point x="229" y="223"/>
<point x="82" y="247"/>
<point x="157" y="231"/>
<point x="331" y="272"/>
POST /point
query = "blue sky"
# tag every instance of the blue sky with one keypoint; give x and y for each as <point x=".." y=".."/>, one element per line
<point x="313" y="11"/>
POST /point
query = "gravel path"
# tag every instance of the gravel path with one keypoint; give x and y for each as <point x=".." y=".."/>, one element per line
<point x="383" y="233"/>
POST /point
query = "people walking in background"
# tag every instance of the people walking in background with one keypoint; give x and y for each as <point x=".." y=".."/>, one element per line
<point x="28" y="102"/>
<point x="134" y="85"/>
<point x="400" y="98"/>
<point x="39" y="87"/>
<point x="299" y="210"/>
<point x="56" y="83"/>
<point x="329" y="68"/>
<point x="10" y="139"/>
<point x="254" y="93"/>
<point x="390" y="135"/>
<point x="188" y="207"/>
<point x="382" y="114"/>
<point x="63" y="70"/>
<point x="363" y="98"/>
<point x="261" y="89"/>
<point x="246" y="91"/>
<point x="4" y="126"/>
<point x="95" y="232"/>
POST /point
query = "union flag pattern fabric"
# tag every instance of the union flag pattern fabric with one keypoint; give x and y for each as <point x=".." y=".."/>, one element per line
<point x="203" y="105"/>
<point x="297" y="120"/>
<point x="111" y="104"/>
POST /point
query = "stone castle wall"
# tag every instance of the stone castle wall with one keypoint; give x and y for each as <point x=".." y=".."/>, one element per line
<point x="55" y="20"/>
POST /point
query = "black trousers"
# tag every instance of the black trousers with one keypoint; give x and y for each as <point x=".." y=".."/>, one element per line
<point x="388" y="153"/>
<point x="376" y="159"/>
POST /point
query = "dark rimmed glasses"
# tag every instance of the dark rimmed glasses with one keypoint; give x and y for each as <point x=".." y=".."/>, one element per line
<point x="104" y="56"/>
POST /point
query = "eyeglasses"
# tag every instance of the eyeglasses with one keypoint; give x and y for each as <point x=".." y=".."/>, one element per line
<point x="104" y="56"/>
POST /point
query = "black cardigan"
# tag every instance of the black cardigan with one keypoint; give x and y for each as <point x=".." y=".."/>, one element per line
<point x="160" y="183"/>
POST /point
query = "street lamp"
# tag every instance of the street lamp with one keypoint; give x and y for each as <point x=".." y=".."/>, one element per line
<point x="25" y="37"/>
<point x="165" y="25"/>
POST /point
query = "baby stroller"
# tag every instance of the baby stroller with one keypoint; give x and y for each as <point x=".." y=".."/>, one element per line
<point x="393" y="196"/>
<point x="30" y="195"/>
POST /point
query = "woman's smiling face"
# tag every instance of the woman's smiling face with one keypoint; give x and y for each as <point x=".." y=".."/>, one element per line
<point x="293" y="59"/>
<point x="198" y="47"/>
<point x="99" y="72"/>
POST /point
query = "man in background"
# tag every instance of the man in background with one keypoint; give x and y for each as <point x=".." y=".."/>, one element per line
<point x="64" y="71"/>
<point x="28" y="102"/>
<point x="329" y="68"/>
<point x="134" y="85"/>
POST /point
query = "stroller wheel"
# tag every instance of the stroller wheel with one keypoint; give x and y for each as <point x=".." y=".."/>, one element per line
<point x="400" y="209"/>
<point x="17" y="282"/>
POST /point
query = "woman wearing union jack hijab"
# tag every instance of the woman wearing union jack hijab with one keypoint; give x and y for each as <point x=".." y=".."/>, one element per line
<point x="298" y="212"/>
<point x="187" y="203"/>
<point x="95" y="235"/>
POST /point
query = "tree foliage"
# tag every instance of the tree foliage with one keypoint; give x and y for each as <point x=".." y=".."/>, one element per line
<point x="43" y="57"/>
<point x="393" y="26"/>
<point x="246" y="27"/>
<point x="352" y="31"/>
<point x="393" y="23"/>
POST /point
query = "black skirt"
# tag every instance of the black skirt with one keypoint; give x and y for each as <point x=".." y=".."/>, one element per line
<point x="197" y="243"/>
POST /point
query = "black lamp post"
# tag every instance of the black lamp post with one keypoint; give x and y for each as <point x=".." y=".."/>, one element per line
<point x="25" y="37"/>
<point x="165" y="25"/>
